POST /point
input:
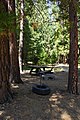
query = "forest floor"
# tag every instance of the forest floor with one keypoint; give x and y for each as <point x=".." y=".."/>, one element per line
<point x="58" y="105"/>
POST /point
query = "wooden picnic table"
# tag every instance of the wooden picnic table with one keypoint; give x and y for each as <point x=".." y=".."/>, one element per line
<point x="38" y="68"/>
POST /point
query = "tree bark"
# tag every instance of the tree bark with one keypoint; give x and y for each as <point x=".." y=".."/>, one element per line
<point x="5" y="90"/>
<point x="21" y="35"/>
<point x="73" y="54"/>
<point x="14" y="70"/>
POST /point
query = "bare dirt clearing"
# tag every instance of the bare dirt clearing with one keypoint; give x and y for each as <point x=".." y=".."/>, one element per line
<point x="58" y="105"/>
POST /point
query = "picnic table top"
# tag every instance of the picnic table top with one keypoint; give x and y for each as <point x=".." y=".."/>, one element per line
<point x="41" y="66"/>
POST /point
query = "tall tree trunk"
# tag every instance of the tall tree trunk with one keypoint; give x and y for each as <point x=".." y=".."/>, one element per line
<point x="73" y="56"/>
<point x="5" y="90"/>
<point x="21" y="35"/>
<point x="14" y="70"/>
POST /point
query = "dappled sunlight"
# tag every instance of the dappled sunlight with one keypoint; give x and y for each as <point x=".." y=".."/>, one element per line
<point x="25" y="71"/>
<point x="62" y="67"/>
<point x="65" y="116"/>
<point x="71" y="103"/>
<point x="47" y="111"/>
<point x="58" y="105"/>
<point x="63" y="106"/>
<point x="9" y="118"/>
<point x="1" y="112"/>
<point x="55" y="97"/>
<point x="14" y="86"/>
<point x="30" y="79"/>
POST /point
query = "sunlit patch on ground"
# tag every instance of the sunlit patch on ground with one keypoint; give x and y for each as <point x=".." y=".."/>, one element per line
<point x="1" y="112"/>
<point x="14" y="86"/>
<point x="9" y="118"/>
<point x="65" y="116"/>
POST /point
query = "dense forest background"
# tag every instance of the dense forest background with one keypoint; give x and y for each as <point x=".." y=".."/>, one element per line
<point x="46" y="32"/>
<point x="46" y="35"/>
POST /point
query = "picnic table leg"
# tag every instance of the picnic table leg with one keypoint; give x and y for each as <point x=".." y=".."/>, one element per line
<point x="31" y="70"/>
<point x="43" y="68"/>
<point x="38" y="70"/>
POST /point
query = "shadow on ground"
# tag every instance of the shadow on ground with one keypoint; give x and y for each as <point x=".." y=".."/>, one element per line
<point x="26" y="105"/>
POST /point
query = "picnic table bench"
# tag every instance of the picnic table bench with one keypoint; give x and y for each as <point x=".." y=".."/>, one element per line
<point x="37" y="68"/>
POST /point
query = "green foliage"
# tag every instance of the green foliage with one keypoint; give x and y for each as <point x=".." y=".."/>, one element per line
<point x="46" y="30"/>
<point x="6" y="19"/>
<point x="7" y="22"/>
<point x="45" y="34"/>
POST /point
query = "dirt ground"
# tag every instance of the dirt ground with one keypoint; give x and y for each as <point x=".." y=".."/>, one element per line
<point x="58" y="105"/>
